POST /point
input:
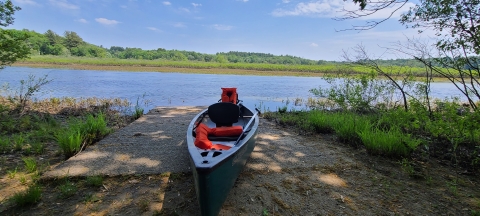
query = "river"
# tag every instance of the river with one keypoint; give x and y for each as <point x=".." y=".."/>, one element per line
<point x="177" y="89"/>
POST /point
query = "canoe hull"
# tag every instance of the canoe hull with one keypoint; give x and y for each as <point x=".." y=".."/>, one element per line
<point x="213" y="183"/>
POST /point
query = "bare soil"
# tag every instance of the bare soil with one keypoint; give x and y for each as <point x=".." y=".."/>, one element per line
<point x="288" y="173"/>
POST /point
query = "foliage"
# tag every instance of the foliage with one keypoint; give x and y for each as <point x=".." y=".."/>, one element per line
<point x="391" y="142"/>
<point x="79" y="134"/>
<point x="13" y="46"/>
<point x="70" y="141"/>
<point x="31" y="196"/>
<point x="357" y="93"/>
<point x="30" y="164"/>
<point x="67" y="189"/>
<point x="7" y="10"/>
<point x="94" y="128"/>
<point x="455" y="22"/>
<point x="94" y="181"/>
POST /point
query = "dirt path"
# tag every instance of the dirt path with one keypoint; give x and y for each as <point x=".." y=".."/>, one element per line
<point x="287" y="174"/>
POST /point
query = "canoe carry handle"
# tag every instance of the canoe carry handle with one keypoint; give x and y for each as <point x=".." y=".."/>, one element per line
<point x="248" y="125"/>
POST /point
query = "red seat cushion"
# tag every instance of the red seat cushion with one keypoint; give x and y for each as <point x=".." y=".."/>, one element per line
<point x="226" y="131"/>
<point x="201" y="139"/>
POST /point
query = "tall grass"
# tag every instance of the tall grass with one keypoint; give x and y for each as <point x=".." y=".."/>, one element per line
<point x="391" y="142"/>
<point x="94" y="128"/>
<point x="70" y="141"/>
<point x="81" y="133"/>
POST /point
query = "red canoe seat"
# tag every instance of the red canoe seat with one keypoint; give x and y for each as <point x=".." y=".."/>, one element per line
<point x="204" y="133"/>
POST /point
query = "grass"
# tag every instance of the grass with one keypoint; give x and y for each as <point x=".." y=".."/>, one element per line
<point x="30" y="164"/>
<point x="67" y="189"/>
<point x="70" y="141"/>
<point x="95" y="181"/>
<point x="391" y="142"/>
<point x="12" y="173"/>
<point x="31" y="196"/>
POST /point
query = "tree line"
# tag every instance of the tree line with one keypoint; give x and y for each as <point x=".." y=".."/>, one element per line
<point x="71" y="44"/>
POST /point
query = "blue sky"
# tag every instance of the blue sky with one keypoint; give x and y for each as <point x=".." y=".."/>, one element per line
<point x="281" y="27"/>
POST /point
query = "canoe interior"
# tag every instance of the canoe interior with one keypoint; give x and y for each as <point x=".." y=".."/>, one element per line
<point x="205" y="160"/>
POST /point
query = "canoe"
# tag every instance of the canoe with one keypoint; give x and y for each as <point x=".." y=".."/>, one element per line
<point x="215" y="170"/>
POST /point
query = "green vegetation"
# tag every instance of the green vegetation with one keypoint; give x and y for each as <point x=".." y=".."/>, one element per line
<point x="363" y="111"/>
<point x="95" y="181"/>
<point x="30" y="164"/>
<point x="67" y="189"/>
<point x="31" y="196"/>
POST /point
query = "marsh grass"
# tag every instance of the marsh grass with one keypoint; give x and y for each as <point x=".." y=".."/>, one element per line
<point x="85" y="62"/>
<point x="31" y="196"/>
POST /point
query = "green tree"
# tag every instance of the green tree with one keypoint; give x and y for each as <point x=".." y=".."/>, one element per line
<point x="13" y="46"/>
<point x="53" y="38"/>
<point x="13" y="43"/>
<point x="7" y="10"/>
<point x="72" y="40"/>
<point x="456" y="22"/>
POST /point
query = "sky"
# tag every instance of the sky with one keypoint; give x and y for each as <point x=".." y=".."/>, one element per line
<point x="306" y="29"/>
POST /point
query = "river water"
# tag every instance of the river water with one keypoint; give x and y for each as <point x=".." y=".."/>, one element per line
<point x="177" y="89"/>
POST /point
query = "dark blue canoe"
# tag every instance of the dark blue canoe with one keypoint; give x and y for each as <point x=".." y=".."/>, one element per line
<point x="215" y="171"/>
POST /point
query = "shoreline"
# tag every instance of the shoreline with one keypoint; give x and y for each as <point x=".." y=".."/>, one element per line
<point x="140" y="68"/>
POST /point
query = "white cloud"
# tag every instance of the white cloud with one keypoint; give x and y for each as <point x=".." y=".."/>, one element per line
<point x="26" y="2"/>
<point x="222" y="27"/>
<point x="154" y="29"/>
<point x="333" y="8"/>
<point x="314" y="45"/>
<point x="243" y="0"/>
<point x="81" y="20"/>
<point x="179" y="25"/>
<point x="286" y="1"/>
<point x="167" y="3"/>
<point x="196" y="5"/>
<point x="105" y="21"/>
<point x="184" y="10"/>
<point x="63" y="4"/>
